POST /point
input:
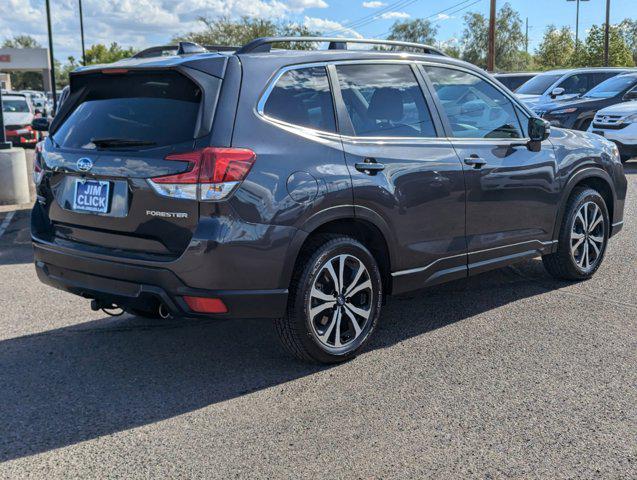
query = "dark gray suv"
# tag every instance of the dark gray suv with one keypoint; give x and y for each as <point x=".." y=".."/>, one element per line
<point x="306" y="186"/>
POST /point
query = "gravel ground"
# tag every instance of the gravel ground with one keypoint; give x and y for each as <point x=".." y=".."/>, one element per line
<point x="508" y="374"/>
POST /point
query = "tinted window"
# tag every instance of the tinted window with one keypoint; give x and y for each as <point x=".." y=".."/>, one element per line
<point x="384" y="101"/>
<point x="612" y="87"/>
<point x="538" y="84"/>
<point x="576" y="83"/>
<point x="602" y="76"/>
<point x="474" y="107"/>
<point x="157" y="108"/>
<point x="15" y="105"/>
<point x="302" y="97"/>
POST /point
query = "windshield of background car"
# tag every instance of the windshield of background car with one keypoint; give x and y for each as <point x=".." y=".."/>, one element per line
<point x="612" y="87"/>
<point x="160" y="108"/>
<point x="539" y="84"/>
<point x="17" y="105"/>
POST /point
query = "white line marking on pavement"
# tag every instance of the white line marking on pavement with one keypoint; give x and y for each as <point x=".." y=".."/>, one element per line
<point x="6" y="222"/>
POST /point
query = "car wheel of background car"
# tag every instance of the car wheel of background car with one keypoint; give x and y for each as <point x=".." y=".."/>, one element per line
<point x="585" y="124"/>
<point x="335" y="301"/>
<point x="583" y="237"/>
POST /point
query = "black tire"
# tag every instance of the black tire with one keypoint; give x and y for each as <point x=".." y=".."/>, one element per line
<point x="585" y="124"/>
<point x="299" y="333"/>
<point x="563" y="264"/>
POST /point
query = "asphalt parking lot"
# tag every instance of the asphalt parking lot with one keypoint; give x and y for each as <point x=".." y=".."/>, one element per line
<point x="508" y="374"/>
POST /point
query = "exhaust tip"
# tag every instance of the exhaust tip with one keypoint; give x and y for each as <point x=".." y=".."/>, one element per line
<point x="164" y="312"/>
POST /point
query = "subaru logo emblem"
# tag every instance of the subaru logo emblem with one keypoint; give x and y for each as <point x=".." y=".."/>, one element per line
<point x="84" y="164"/>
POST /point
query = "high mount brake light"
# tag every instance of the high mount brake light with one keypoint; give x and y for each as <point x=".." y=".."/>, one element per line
<point x="213" y="174"/>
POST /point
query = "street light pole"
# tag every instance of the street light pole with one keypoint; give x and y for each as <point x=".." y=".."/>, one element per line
<point x="82" y="34"/>
<point x="51" y="58"/>
<point x="577" y="22"/>
<point x="606" y="33"/>
<point x="491" y="46"/>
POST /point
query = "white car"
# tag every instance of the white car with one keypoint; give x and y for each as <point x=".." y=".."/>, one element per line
<point x="563" y="84"/>
<point x="18" y="113"/>
<point x="619" y="124"/>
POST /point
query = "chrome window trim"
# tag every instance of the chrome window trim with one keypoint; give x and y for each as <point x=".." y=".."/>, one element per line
<point x="336" y="135"/>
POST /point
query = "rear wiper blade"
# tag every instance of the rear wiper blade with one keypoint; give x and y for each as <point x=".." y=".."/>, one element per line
<point x="120" y="142"/>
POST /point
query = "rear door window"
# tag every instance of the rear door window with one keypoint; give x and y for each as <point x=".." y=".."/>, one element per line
<point x="384" y="101"/>
<point x="302" y="97"/>
<point x="154" y="108"/>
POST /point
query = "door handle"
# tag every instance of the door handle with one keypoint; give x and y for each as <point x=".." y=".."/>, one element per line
<point x="369" y="166"/>
<point x="475" y="161"/>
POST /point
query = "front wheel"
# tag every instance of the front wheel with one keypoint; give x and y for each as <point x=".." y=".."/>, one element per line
<point x="335" y="301"/>
<point x="583" y="237"/>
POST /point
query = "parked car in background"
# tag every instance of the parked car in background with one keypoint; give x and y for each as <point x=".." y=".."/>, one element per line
<point x="515" y="79"/>
<point x="618" y="123"/>
<point x="562" y="84"/>
<point x="18" y="114"/>
<point x="578" y="112"/>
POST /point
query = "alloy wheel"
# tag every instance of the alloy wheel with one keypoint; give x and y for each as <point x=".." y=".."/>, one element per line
<point x="588" y="236"/>
<point x="340" y="303"/>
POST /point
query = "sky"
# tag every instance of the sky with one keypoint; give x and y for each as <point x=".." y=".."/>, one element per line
<point x="143" y="23"/>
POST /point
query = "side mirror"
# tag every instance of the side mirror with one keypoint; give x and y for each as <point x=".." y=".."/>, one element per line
<point x="40" y="124"/>
<point x="632" y="95"/>
<point x="557" y="91"/>
<point x="539" y="130"/>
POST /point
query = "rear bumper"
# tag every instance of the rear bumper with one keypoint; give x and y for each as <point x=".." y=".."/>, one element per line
<point x="140" y="286"/>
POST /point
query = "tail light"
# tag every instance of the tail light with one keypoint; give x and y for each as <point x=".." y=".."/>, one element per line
<point x="212" y="175"/>
<point x="38" y="171"/>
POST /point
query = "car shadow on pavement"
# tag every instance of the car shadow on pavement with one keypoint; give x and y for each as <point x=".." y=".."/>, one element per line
<point x="72" y="384"/>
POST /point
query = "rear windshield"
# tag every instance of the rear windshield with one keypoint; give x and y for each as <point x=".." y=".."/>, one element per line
<point x="539" y="84"/>
<point x="157" y="109"/>
<point x="15" y="105"/>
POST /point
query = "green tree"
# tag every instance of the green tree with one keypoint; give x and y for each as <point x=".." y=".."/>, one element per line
<point x="63" y="71"/>
<point x="24" y="80"/>
<point x="592" y="53"/>
<point x="509" y="40"/>
<point x="417" y="31"/>
<point x="628" y="29"/>
<point x="452" y="50"/>
<point x="224" y="31"/>
<point x="556" y="48"/>
<point x="100" y="53"/>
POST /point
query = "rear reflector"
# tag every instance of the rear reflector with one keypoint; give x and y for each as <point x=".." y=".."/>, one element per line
<point x="206" y="305"/>
<point x="213" y="173"/>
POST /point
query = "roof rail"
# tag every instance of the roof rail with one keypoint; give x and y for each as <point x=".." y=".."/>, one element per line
<point x="184" y="48"/>
<point x="264" y="44"/>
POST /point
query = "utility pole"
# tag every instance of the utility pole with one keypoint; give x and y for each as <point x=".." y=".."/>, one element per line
<point x="82" y="34"/>
<point x="51" y="59"/>
<point x="526" y="37"/>
<point x="491" y="47"/>
<point x="606" y="33"/>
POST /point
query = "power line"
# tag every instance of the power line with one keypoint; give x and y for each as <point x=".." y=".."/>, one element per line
<point x="438" y="13"/>
<point x="372" y="17"/>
